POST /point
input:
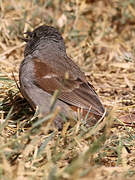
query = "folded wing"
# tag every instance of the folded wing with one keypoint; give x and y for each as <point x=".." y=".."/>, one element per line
<point x="74" y="90"/>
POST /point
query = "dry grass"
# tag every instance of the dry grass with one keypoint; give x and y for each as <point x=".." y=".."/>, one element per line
<point x="99" y="36"/>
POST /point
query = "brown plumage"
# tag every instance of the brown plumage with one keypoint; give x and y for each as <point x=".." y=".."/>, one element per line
<point x="44" y="70"/>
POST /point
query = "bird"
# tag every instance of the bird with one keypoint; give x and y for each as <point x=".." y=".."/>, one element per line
<point x="46" y="68"/>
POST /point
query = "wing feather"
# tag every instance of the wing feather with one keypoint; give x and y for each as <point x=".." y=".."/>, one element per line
<point x="75" y="91"/>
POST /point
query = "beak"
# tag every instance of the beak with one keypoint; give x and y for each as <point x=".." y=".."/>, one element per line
<point x="28" y="33"/>
<point x="23" y="38"/>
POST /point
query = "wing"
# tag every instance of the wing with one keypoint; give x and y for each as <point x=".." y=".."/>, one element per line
<point x="74" y="90"/>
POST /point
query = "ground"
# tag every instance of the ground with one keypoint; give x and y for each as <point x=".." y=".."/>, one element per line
<point x="99" y="37"/>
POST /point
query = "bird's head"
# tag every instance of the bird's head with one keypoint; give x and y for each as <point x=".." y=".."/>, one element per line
<point x="42" y="34"/>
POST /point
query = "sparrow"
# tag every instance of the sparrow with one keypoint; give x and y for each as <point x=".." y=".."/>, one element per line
<point x="46" y="68"/>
